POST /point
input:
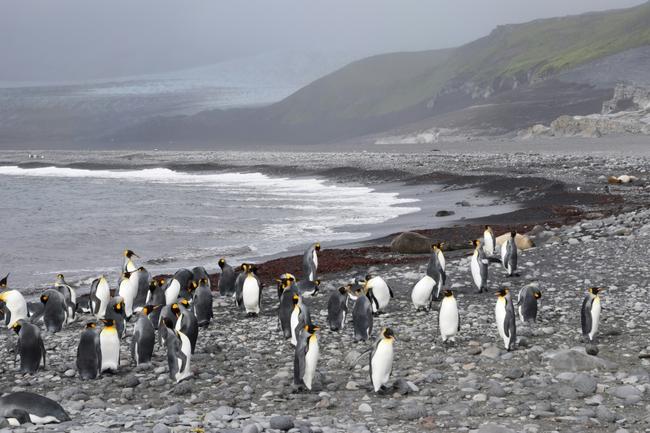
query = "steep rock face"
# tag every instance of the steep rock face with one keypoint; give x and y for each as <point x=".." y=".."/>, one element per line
<point x="628" y="97"/>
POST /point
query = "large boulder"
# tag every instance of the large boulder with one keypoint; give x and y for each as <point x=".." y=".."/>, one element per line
<point x="523" y="242"/>
<point x="576" y="359"/>
<point x="411" y="243"/>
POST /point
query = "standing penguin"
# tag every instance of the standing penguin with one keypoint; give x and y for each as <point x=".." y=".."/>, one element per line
<point x="310" y="262"/>
<point x="100" y="295"/>
<point x="202" y="302"/>
<point x="115" y="312"/>
<point x="590" y="313"/>
<point x="226" y="279"/>
<point x="239" y="283"/>
<point x="489" y="242"/>
<point x="288" y="300"/>
<point x="89" y="353"/>
<point x="449" y="317"/>
<point x="251" y="292"/>
<point x="381" y="359"/>
<point x="172" y="291"/>
<point x="504" y="313"/>
<point x="362" y="315"/>
<point x="128" y="290"/>
<point x="29" y="347"/>
<point x="527" y="300"/>
<point x="381" y="291"/>
<point x="15" y="307"/>
<point x="127" y="263"/>
<point x="70" y="296"/>
<point x="184" y="278"/>
<point x="109" y="342"/>
<point x="479" y="266"/>
<point x="199" y="273"/>
<point x="300" y="316"/>
<point x="337" y="309"/>
<point x="509" y="255"/>
<point x="144" y="336"/>
<point x="436" y="268"/>
<point x="141" y="281"/>
<point x="55" y="313"/>
<point x="186" y="321"/>
<point x="306" y="357"/>
<point x="422" y="293"/>
<point x="156" y="296"/>
<point x="179" y="354"/>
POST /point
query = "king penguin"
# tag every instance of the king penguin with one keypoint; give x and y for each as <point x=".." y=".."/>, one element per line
<point x="310" y="262"/>
<point x="199" y="273"/>
<point x="184" y="278"/>
<point x="26" y="407"/>
<point x="436" y="268"/>
<point x="449" y="317"/>
<point x="100" y="295"/>
<point x="478" y="265"/>
<point x="186" y="321"/>
<point x="128" y="290"/>
<point x="156" y="296"/>
<point x="55" y="313"/>
<point x="89" y="353"/>
<point x="489" y="243"/>
<point x="381" y="291"/>
<point x="109" y="341"/>
<point x="30" y="346"/>
<point x="590" y="313"/>
<point x="251" y="292"/>
<point x="337" y="308"/>
<point x="202" y="302"/>
<point x="509" y="255"/>
<point x="15" y="307"/>
<point x="115" y="312"/>
<point x="70" y="296"/>
<point x="127" y="264"/>
<point x="307" y="287"/>
<point x="141" y="281"/>
<point x="306" y="357"/>
<point x="527" y="301"/>
<point x="226" y="279"/>
<point x="288" y="299"/>
<point x="362" y="315"/>
<point x="381" y="359"/>
<point x="178" y="354"/>
<point x="422" y="293"/>
<point x="504" y="313"/>
<point x="300" y="316"/>
<point x="144" y="336"/>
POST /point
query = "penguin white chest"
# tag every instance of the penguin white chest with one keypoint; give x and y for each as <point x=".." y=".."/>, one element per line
<point x="448" y="318"/>
<point x="251" y="295"/>
<point x="186" y="348"/>
<point x="16" y="304"/>
<point x="500" y="317"/>
<point x="381" y="292"/>
<point x="110" y="347"/>
<point x="311" y="359"/>
<point x="595" y="317"/>
<point x="421" y="292"/>
<point x="488" y="241"/>
<point x="127" y="291"/>
<point x="475" y="267"/>
<point x="172" y="292"/>
<point x="382" y="364"/>
<point x="103" y="293"/>
<point x="295" y="317"/>
<point x="441" y="260"/>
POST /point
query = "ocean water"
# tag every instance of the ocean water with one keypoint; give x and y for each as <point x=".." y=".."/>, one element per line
<point x="78" y="221"/>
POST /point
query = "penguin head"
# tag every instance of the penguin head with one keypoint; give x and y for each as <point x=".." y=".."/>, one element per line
<point x="513" y="233"/>
<point x="3" y="282"/>
<point x="128" y="254"/>
<point x="317" y="283"/>
<point x="204" y="281"/>
<point x="126" y="275"/>
<point x="222" y="263"/>
<point x="437" y="246"/>
<point x="244" y="267"/>
<point x="141" y="269"/>
<point x="317" y="247"/>
<point x="388" y="334"/>
<point x="448" y="294"/>
<point x="44" y="298"/>
<point x="537" y="294"/>
<point x="343" y="290"/>
<point x="192" y="285"/>
<point x="368" y="277"/>
<point x="502" y="292"/>
<point x="148" y="309"/>
<point x="17" y="326"/>
<point x="176" y="309"/>
<point x="91" y="325"/>
<point x="252" y="269"/>
<point x="153" y="284"/>
<point x="185" y="303"/>
<point x="312" y="328"/>
<point x="487" y="228"/>
<point x="595" y="290"/>
<point x="476" y="243"/>
<point x="108" y="323"/>
<point x="119" y="306"/>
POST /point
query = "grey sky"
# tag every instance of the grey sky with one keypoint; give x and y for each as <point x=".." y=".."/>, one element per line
<point x="84" y="39"/>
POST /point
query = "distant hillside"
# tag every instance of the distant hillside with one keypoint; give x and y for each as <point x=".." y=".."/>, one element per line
<point x="392" y="90"/>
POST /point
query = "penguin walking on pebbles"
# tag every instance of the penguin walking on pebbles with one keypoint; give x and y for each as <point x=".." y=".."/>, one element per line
<point x="109" y="341"/>
<point x="186" y="321"/>
<point x="509" y="255"/>
<point x="310" y="262"/>
<point x="29" y="347"/>
<point x="449" y="317"/>
<point x="489" y="241"/>
<point x="144" y="336"/>
<point x="70" y="297"/>
<point x="422" y="293"/>
<point x="504" y="313"/>
<point x="179" y="353"/>
<point x="251" y="291"/>
<point x="300" y="316"/>
<point x="306" y="357"/>
<point x="381" y="360"/>
<point x="590" y="313"/>
<point x="100" y="295"/>
<point x="55" y="313"/>
<point x="226" y="279"/>
<point x="202" y="302"/>
<point x="26" y="407"/>
<point x="141" y="279"/>
<point x="337" y="309"/>
<point x="89" y="353"/>
<point x="15" y="306"/>
<point x="288" y="299"/>
<point x="478" y="265"/>
<point x="527" y="302"/>
<point x="380" y="290"/>
<point x="362" y="315"/>
<point x="436" y="268"/>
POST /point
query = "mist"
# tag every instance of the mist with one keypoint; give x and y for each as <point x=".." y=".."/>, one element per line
<point x="80" y="40"/>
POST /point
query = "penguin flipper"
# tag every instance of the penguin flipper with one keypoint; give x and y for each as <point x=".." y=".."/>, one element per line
<point x="390" y="291"/>
<point x="42" y="345"/>
<point x="183" y="359"/>
<point x="586" y="315"/>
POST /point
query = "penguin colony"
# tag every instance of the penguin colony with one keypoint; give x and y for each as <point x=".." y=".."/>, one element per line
<point x="172" y="310"/>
